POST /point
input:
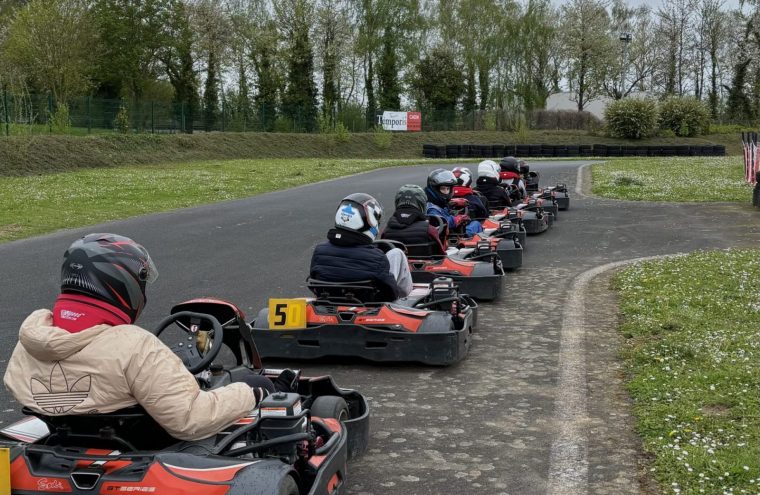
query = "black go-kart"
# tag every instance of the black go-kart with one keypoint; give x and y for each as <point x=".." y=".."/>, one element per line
<point x="557" y="194"/>
<point x="292" y="444"/>
<point x="433" y="325"/>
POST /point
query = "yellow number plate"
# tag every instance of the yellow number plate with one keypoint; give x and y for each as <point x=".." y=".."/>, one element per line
<point x="287" y="313"/>
<point x="5" y="472"/>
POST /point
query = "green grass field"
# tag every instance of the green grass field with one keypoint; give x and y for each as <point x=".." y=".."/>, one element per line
<point x="680" y="179"/>
<point x="692" y="326"/>
<point x="38" y="204"/>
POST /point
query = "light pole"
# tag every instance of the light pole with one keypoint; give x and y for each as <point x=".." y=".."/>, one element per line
<point x="625" y="38"/>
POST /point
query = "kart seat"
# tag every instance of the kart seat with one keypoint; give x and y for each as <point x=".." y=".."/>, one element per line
<point x="128" y="429"/>
<point x="358" y="292"/>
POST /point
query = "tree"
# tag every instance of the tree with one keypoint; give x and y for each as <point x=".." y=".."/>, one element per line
<point x="300" y="98"/>
<point x="387" y="72"/>
<point x="673" y="29"/>
<point x="332" y="31"/>
<point x="132" y="33"/>
<point x="442" y="92"/>
<point x="177" y="57"/>
<point x="264" y="55"/>
<point x="586" y="44"/>
<point x="212" y="27"/>
<point x="715" y="32"/>
<point x="52" y="44"/>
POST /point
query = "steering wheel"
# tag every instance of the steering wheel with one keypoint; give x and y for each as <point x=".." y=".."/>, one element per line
<point x="388" y="244"/>
<point x="194" y="359"/>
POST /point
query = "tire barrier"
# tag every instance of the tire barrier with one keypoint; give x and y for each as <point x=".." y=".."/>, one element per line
<point x="567" y="150"/>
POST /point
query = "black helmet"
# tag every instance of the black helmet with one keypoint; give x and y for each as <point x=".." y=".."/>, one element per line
<point x="436" y="179"/>
<point x="412" y="196"/>
<point x="359" y="212"/>
<point x="110" y="268"/>
<point x="524" y="167"/>
<point x="510" y="164"/>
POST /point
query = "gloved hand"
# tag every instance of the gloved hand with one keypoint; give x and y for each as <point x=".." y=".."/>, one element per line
<point x="259" y="393"/>
<point x="460" y="220"/>
<point x="287" y="381"/>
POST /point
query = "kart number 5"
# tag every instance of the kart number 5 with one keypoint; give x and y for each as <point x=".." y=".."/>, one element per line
<point x="287" y="313"/>
<point x="5" y="472"/>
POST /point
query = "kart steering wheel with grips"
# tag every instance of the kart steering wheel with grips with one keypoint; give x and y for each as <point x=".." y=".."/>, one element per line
<point x="195" y="359"/>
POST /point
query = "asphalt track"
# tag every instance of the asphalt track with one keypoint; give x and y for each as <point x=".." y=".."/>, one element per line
<point x="536" y="408"/>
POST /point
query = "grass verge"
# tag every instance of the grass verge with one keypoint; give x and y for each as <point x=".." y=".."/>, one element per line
<point x="692" y="348"/>
<point x="38" y="204"/>
<point x="672" y="179"/>
<point x="25" y="155"/>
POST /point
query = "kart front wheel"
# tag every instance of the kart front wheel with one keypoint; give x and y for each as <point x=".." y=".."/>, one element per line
<point x="287" y="486"/>
<point x="330" y="406"/>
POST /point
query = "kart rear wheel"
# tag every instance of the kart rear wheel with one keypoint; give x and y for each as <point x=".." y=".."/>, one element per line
<point x="330" y="406"/>
<point x="287" y="486"/>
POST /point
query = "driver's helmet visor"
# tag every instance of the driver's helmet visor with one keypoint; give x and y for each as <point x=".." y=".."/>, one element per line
<point x="150" y="267"/>
<point x="444" y="189"/>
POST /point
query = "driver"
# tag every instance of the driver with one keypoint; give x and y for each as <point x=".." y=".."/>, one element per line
<point x="87" y="356"/>
<point x="439" y="190"/>
<point x="350" y="255"/>
<point x="410" y="225"/>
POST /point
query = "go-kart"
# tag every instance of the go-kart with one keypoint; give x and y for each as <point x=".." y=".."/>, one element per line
<point x="293" y="443"/>
<point x="503" y="239"/>
<point x="432" y="325"/>
<point x="477" y="272"/>
<point x="531" y="216"/>
<point x="557" y="193"/>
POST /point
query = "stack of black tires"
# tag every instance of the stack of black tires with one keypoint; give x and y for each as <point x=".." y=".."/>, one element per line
<point x="567" y="150"/>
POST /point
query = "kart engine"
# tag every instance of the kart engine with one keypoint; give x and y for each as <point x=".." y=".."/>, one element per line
<point x="281" y="415"/>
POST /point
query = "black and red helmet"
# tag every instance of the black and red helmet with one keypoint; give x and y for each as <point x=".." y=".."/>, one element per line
<point x="510" y="164"/>
<point x="111" y="268"/>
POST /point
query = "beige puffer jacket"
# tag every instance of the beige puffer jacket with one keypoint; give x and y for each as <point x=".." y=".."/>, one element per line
<point x="104" y="368"/>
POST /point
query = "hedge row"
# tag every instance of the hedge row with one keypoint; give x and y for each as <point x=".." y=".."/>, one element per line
<point x="569" y="150"/>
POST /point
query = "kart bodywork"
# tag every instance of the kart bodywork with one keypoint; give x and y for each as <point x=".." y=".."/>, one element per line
<point x="433" y="325"/>
<point x="293" y="443"/>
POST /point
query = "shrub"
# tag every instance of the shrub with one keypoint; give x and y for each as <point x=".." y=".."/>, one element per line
<point x="341" y="133"/>
<point x="685" y="116"/>
<point x="121" y="122"/>
<point x="631" y="118"/>
<point x="382" y="138"/>
<point x="60" y="122"/>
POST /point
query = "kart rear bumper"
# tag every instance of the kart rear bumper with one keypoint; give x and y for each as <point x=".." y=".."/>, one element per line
<point x="373" y="344"/>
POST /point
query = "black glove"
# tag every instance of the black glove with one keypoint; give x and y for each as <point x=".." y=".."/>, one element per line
<point x="287" y="381"/>
<point x="259" y="393"/>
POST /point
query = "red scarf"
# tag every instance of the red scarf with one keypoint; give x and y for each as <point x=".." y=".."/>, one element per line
<point x="75" y="312"/>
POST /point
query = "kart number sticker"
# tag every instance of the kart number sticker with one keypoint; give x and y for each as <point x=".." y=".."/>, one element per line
<point x="5" y="471"/>
<point x="287" y="313"/>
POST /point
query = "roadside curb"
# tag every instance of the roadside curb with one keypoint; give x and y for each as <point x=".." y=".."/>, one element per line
<point x="569" y="466"/>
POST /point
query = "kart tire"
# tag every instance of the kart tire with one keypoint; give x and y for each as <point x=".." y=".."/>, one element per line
<point x="287" y="486"/>
<point x="330" y="406"/>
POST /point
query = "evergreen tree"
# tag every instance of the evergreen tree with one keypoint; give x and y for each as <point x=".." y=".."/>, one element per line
<point x="211" y="94"/>
<point x="177" y="57"/>
<point x="387" y="73"/>
<point x="300" y="98"/>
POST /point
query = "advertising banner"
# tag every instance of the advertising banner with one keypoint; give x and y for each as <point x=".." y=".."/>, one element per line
<point x="400" y="121"/>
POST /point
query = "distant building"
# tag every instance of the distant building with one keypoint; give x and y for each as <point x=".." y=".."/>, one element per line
<point x="562" y="101"/>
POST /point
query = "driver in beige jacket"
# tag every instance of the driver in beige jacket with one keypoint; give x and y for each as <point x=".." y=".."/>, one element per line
<point x="86" y="356"/>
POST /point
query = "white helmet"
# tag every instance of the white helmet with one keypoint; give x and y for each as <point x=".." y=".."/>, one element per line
<point x="463" y="175"/>
<point x="359" y="212"/>
<point x="489" y="168"/>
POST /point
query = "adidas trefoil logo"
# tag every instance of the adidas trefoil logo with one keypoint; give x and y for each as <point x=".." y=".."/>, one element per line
<point x="56" y="397"/>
